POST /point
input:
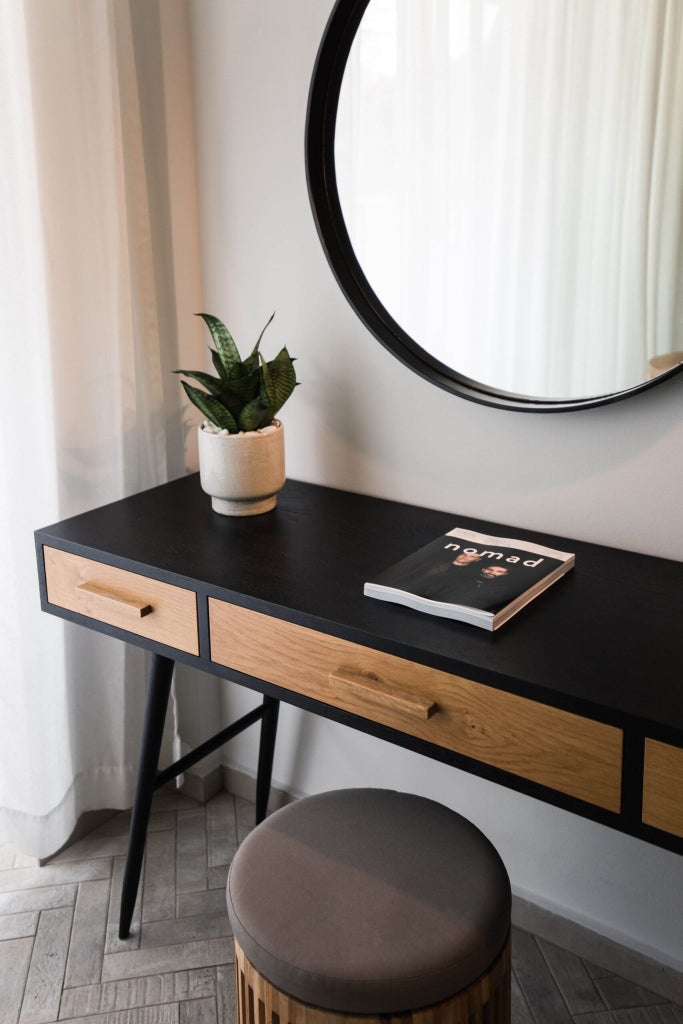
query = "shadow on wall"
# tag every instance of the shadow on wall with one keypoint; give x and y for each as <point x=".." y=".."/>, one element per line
<point x="374" y="412"/>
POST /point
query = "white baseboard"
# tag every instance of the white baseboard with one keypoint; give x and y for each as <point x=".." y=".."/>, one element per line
<point x="600" y="949"/>
<point x="202" y="785"/>
<point x="242" y="783"/>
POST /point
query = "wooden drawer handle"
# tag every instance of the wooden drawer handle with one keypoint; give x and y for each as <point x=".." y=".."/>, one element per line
<point x="134" y="605"/>
<point x="370" y="688"/>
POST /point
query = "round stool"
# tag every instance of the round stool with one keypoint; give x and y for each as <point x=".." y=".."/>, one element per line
<point x="374" y="903"/>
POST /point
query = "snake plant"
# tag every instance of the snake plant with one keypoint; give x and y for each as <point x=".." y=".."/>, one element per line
<point x="247" y="393"/>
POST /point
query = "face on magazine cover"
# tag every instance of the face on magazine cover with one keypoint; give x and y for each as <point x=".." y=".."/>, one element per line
<point x="466" y="558"/>
<point x="492" y="572"/>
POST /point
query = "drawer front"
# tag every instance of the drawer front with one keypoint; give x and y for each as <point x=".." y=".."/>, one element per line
<point x="155" y="610"/>
<point x="563" y="751"/>
<point x="663" y="787"/>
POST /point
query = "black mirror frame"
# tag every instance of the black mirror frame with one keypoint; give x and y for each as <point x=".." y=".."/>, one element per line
<point x="321" y="119"/>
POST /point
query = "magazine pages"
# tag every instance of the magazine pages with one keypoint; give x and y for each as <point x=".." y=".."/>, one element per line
<point x="471" y="577"/>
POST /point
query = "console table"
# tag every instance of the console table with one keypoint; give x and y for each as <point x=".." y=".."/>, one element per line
<point x="576" y="701"/>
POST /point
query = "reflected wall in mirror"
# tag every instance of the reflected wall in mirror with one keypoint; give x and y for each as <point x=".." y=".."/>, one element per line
<point x="510" y="176"/>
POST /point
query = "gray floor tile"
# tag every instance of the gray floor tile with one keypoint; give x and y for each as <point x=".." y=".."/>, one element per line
<point x="46" y="972"/>
<point x="168" y="1013"/>
<point x="221" y="830"/>
<point x="195" y="984"/>
<point x="18" y="926"/>
<point x="33" y="878"/>
<point x="159" y="877"/>
<point x="93" y="846"/>
<point x="596" y="971"/>
<point x="666" y="1014"/>
<point x="244" y="817"/>
<point x="86" y="949"/>
<point x="46" y="898"/>
<point x="185" y="929"/>
<point x="161" y="959"/>
<point x="190" y="904"/>
<point x="536" y="982"/>
<point x="15" y="957"/>
<point x="573" y="980"/>
<point x="134" y="992"/>
<point x="159" y="821"/>
<point x="217" y="877"/>
<point x="191" y="863"/>
<point x="225" y="994"/>
<point x="172" y="800"/>
<point x="603" y="1017"/>
<point x="620" y="994"/>
<point x="198" y="1011"/>
<point x="521" y="1014"/>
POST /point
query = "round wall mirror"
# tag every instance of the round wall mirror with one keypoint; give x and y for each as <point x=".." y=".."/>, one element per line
<point x="498" y="186"/>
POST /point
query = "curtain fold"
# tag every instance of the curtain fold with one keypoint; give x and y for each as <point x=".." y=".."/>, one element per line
<point x="100" y="278"/>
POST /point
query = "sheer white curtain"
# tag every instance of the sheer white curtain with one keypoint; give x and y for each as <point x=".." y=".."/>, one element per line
<point x="511" y="173"/>
<point x="99" y="278"/>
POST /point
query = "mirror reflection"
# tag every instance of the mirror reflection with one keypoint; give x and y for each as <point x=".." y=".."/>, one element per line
<point x="510" y="174"/>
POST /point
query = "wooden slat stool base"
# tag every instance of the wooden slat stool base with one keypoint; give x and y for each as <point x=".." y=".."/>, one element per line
<point x="365" y="905"/>
<point x="485" y="1001"/>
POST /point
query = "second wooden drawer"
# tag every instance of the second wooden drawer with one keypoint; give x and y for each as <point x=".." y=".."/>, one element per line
<point x="566" y="752"/>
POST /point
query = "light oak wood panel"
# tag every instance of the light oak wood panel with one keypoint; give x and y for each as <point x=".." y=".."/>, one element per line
<point x="487" y="1000"/>
<point x="566" y="752"/>
<point x="149" y="608"/>
<point x="663" y="787"/>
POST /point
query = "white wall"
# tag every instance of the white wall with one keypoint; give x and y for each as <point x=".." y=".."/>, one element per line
<point x="363" y="421"/>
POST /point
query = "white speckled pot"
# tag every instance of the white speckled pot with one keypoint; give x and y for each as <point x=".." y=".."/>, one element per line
<point x="243" y="472"/>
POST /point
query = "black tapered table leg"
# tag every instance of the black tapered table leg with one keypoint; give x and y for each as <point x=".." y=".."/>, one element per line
<point x="158" y="689"/>
<point x="271" y="708"/>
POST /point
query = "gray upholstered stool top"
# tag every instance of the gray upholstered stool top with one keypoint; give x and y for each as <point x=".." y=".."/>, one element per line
<point x="369" y="901"/>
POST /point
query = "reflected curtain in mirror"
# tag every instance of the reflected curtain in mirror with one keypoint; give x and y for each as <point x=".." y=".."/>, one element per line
<point x="511" y="178"/>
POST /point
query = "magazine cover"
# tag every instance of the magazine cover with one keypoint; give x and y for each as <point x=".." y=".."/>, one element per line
<point x="471" y="576"/>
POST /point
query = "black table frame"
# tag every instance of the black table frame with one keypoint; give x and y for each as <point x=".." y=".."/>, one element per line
<point x="150" y="779"/>
<point x="342" y="536"/>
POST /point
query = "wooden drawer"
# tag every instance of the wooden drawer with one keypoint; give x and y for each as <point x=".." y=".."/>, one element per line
<point x="155" y="610"/>
<point x="663" y="787"/>
<point x="563" y="751"/>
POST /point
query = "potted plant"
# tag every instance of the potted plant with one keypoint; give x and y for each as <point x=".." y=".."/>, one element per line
<point x="241" y="443"/>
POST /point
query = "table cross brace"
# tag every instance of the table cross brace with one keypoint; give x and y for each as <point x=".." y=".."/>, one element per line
<point x="150" y="778"/>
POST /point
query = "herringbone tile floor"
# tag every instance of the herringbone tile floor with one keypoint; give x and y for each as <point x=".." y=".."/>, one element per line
<point x="61" y="958"/>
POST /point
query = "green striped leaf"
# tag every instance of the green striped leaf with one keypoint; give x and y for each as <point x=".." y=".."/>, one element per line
<point x="255" y="415"/>
<point x="213" y="384"/>
<point x="251" y="363"/>
<point x="214" y="410"/>
<point x="268" y="394"/>
<point x="217" y="364"/>
<point x="245" y="394"/>
<point x="255" y="349"/>
<point x="222" y="339"/>
<point x="282" y="379"/>
<point x="243" y="380"/>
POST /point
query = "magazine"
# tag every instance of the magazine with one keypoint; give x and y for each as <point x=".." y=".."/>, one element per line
<point x="471" y="577"/>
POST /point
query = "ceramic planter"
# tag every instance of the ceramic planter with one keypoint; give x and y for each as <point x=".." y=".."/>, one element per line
<point x="243" y="472"/>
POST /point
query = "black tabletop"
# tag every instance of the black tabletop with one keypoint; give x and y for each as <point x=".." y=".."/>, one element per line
<point x="603" y="640"/>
